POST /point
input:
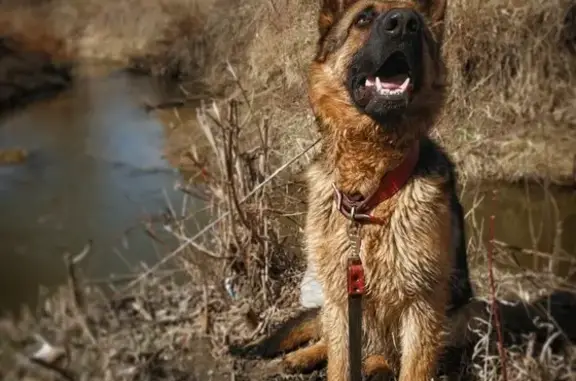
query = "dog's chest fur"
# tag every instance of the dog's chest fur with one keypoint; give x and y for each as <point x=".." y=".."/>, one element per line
<point x="408" y="256"/>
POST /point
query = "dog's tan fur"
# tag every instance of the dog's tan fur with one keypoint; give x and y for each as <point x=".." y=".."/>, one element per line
<point x="407" y="268"/>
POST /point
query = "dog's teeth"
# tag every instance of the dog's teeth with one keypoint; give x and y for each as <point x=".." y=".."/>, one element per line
<point x="378" y="84"/>
<point x="369" y="83"/>
<point x="406" y="97"/>
<point x="405" y="84"/>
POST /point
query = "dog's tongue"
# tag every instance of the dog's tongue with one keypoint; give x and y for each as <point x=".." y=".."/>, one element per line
<point x="393" y="83"/>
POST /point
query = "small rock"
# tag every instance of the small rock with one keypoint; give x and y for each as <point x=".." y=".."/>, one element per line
<point x="48" y="353"/>
<point x="13" y="156"/>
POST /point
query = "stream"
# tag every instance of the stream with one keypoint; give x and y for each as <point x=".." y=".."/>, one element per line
<point x="95" y="171"/>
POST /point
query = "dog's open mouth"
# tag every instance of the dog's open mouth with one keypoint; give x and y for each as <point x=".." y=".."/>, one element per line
<point x="391" y="82"/>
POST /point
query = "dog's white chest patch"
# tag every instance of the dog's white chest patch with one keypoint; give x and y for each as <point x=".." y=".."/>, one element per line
<point x="311" y="295"/>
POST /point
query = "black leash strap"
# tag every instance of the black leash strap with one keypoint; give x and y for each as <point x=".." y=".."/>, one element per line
<point x="355" y="336"/>
<point x="356" y="288"/>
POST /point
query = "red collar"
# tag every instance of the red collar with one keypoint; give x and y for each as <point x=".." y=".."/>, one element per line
<point x="358" y="208"/>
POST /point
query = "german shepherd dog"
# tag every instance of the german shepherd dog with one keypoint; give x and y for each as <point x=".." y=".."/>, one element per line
<point x="376" y="86"/>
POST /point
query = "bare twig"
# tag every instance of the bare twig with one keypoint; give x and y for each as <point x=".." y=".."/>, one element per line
<point x="209" y="226"/>
<point x="206" y="320"/>
<point x="495" y="310"/>
<point x="239" y="84"/>
<point x="64" y="373"/>
<point x="532" y="252"/>
<point x="78" y="297"/>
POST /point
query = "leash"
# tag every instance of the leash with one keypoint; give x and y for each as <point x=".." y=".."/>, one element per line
<point x="356" y="289"/>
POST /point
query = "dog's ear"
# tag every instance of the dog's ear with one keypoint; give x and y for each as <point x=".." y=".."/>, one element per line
<point x="435" y="12"/>
<point x="330" y="12"/>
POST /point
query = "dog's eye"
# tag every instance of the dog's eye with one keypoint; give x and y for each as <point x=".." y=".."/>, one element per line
<point x="365" y="17"/>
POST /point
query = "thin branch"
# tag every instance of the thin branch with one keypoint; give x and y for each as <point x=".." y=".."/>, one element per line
<point x="78" y="297"/>
<point x="532" y="252"/>
<point x="494" y="303"/>
<point x="221" y="217"/>
<point x="64" y="373"/>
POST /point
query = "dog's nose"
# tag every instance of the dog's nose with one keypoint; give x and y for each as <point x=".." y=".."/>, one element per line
<point x="400" y="22"/>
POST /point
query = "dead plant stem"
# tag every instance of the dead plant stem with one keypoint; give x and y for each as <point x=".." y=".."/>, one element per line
<point x="209" y="226"/>
<point x="78" y="297"/>
<point x="494" y="302"/>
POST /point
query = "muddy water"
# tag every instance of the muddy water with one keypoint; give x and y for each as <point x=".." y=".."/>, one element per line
<point x="95" y="171"/>
<point x="535" y="219"/>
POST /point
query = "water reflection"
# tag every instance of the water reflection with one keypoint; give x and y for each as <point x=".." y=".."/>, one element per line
<point x="530" y="217"/>
<point x="95" y="170"/>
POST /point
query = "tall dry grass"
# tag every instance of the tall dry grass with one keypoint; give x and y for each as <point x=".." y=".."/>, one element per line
<point x="251" y="246"/>
<point x="118" y="32"/>
<point x="511" y="69"/>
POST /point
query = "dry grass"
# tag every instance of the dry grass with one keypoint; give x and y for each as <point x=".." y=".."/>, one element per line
<point x="511" y="111"/>
<point x="117" y="32"/>
<point x="512" y="69"/>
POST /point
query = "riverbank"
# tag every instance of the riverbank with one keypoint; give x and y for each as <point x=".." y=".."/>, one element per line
<point x="29" y="69"/>
<point x="45" y="44"/>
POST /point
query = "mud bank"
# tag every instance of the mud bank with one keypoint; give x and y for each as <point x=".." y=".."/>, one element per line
<point x="28" y="74"/>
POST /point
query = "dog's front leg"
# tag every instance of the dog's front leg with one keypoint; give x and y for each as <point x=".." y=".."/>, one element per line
<point x="335" y="330"/>
<point x="421" y="340"/>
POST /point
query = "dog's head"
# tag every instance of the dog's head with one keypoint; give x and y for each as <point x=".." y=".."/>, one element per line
<point x="378" y="63"/>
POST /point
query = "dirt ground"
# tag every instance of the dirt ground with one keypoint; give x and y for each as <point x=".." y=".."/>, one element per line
<point x="159" y="331"/>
